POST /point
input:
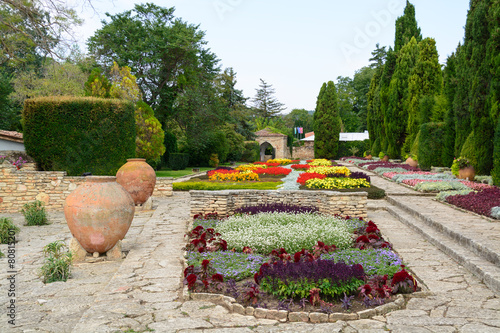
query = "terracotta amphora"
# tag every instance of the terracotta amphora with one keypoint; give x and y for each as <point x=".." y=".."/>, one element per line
<point x="138" y="178"/>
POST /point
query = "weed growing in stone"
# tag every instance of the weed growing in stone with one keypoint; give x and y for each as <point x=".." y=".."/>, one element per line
<point x="7" y="229"/>
<point x="57" y="266"/>
<point x="34" y="213"/>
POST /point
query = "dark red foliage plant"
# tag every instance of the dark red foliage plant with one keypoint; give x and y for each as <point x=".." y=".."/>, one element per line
<point x="481" y="202"/>
<point x="403" y="282"/>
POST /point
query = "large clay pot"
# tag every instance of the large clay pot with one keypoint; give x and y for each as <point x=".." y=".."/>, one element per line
<point x="467" y="173"/>
<point x="138" y="178"/>
<point x="99" y="213"/>
<point x="411" y="162"/>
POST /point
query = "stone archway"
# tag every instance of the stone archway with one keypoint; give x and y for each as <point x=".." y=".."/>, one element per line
<point x="267" y="152"/>
<point x="277" y="141"/>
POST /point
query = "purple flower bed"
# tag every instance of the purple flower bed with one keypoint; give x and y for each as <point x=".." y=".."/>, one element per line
<point x="312" y="270"/>
<point x="481" y="202"/>
<point x="373" y="166"/>
<point x="275" y="208"/>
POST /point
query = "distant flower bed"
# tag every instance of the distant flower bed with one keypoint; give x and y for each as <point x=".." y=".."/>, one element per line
<point x="250" y="167"/>
<point x="325" y="170"/>
<point x="304" y="177"/>
<point x="234" y="177"/>
<point x="273" y="171"/>
<point x="300" y="166"/>
<point x="319" y="162"/>
<point x="336" y="183"/>
<point x="280" y="161"/>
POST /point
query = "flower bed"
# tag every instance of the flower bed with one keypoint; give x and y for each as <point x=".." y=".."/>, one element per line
<point x="234" y="176"/>
<point x="339" y="264"/>
<point x="336" y="183"/>
<point x="303" y="177"/>
<point x="481" y="202"/>
<point x="300" y="166"/>
<point x="273" y="171"/>
<point x="325" y="170"/>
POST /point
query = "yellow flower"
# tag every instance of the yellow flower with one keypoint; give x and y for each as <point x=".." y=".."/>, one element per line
<point x="320" y="162"/>
<point x="250" y="167"/>
<point x="336" y="183"/>
<point x="281" y="161"/>
<point x="234" y="177"/>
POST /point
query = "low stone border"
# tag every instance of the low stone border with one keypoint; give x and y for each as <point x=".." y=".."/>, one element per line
<point x="283" y="316"/>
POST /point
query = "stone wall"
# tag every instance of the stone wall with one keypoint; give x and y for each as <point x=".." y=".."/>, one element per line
<point x="305" y="152"/>
<point x="18" y="187"/>
<point x="328" y="202"/>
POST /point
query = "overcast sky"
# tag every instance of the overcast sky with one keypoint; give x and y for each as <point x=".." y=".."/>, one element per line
<point x="297" y="45"/>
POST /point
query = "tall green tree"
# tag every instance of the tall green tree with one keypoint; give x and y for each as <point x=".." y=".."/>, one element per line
<point x="34" y="28"/>
<point x="327" y="123"/>
<point x="424" y="84"/>
<point x="406" y="28"/>
<point x="300" y="118"/>
<point x="361" y="85"/>
<point x="449" y="91"/>
<point x="167" y="55"/>
<point x="265" y="103"/>
<point x="396" y="115"/>
<point x="346" y="99"/>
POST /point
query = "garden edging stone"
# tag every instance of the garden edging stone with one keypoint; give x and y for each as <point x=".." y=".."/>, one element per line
<point x="313" y="317"/>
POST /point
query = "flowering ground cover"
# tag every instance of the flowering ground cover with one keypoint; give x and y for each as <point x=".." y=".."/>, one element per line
<point x="475" y="196"/>
<point x="292" y="258"/>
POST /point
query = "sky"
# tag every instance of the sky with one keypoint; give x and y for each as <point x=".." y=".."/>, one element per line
<point x="294" y="45"/>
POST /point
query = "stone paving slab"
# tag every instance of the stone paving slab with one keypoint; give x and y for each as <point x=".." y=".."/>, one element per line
<point x="144" y="290"/>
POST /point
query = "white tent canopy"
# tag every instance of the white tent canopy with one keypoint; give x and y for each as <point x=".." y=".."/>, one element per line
<point x="346" y="137"/>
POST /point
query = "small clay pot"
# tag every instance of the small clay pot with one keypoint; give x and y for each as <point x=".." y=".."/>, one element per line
<point x="411" y="162"/>
<point x="138" y="178"/>
<point x="467" y="173"/>
<point x="385" y="158"/>
<point x="368" y="157"/>
<point x="99" y="213"/>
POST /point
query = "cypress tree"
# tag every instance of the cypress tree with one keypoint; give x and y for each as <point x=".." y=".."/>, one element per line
<point x="397" y="111"/>
<point x="327" y="123"/>
<point x="385" y="81"/>
<point x="496" y="156"/>
<point x="406" y="28"/>
<point x="424" y="83"/>
<point x="449" y="90"/>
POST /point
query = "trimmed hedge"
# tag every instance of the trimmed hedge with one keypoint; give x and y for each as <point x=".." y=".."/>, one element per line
<point x="431" y="145"/>
<point x="79" y="134"/>
<point x="178" y="161"/>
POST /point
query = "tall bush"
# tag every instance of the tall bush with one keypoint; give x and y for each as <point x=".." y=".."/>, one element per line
<point x="430" y="147"/>
<point x="468" y="149"/>
<point x="251" y="152"/>
<point x="79" y="134"/>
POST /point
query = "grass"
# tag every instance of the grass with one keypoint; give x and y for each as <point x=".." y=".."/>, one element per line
<point x="209" y="186"/>
<point x="179" y="173"/>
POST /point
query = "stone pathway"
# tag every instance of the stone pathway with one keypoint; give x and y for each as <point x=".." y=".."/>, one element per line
<point x="143" y="292"/>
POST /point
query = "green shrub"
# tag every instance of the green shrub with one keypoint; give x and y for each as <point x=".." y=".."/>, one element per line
<point x="178" y="161"/>
<point x="79" y="134"/>
<point x="495" y="173"/>
<point x="170" y="143"/>
<point x="208" y="186"/>
<point x="376" y="147"/>
<point x="430" y="146"/>
<point x="347" y="147"/>
<point x="57" y="265"/>
<point x="251" y="152"/>
<point x="7" y="230"/>
<point x="381" y="155"/>
<point x="200" y="148"/>
<point x="469" y="151"/>
<point x="414" y="146"/>
<point x="440" y="186"/>
<point x="34" y="213"/>
<point x="373" y="191"/>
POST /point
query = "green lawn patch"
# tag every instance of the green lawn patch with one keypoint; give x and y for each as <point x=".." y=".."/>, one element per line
<point x="211" y="186"/>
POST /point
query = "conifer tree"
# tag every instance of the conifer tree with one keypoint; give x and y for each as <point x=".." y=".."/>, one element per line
<point x="385" y="81"/>
<point x="406" y="28"/>
<point x="265" y="104"/>
<point x="327" y="123"/>
<point x="397" y="111"/>
<point x="424" y="84"/>
<point x="449" y="90"/>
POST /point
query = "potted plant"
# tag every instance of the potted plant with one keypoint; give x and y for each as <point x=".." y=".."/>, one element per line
<point x="367" y="155"/>
<point x="465" y="168"/>
<point x="383" y="156"/>
<point x="411" y="160"/>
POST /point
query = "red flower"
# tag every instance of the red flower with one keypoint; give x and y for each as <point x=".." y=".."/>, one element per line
<point x="188" y="270"/>
<point x="191" y="280"/>
<point x="205" y="283"/>
<point x="205" y="263"/>
<point x="371" y="229"/>
<point x="296" y="256"/>
<point x="218" y="277"/>
<point x="362" y="239"/>
<point x="372" y="236"/>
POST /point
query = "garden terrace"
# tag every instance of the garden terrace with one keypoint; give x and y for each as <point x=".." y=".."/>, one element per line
<point x="328" y="202"/>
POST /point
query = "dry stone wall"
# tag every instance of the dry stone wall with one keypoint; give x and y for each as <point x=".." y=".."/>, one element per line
<point x="328" y="202"/>
<point x="18" y="187"/>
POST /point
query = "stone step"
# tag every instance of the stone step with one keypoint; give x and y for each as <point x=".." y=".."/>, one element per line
<point x="475" y="245"/>
<point x="487" y="271"/>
